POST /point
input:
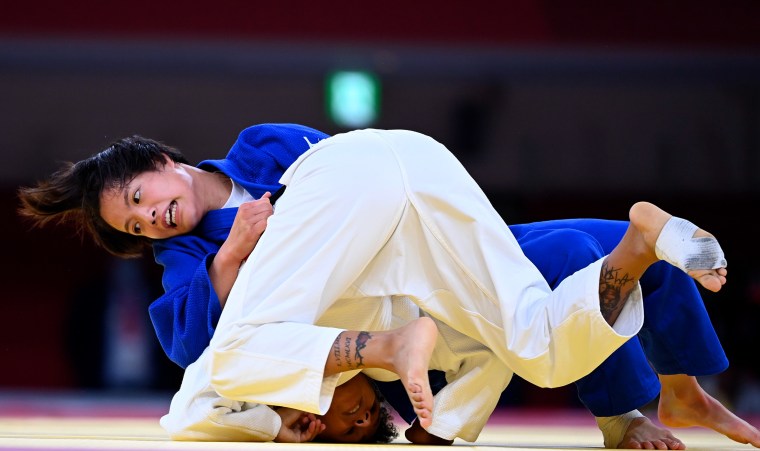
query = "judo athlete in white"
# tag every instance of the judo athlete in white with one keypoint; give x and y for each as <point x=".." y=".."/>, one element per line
<point x="370" y="214"/>
<point x="197" y="412"/>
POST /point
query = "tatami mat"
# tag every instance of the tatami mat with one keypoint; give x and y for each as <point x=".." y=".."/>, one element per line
<point x="549" y="430"/>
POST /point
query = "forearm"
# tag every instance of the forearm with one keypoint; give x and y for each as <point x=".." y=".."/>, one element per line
<point x="222" y="273"/>
<point x="185" y="316"/>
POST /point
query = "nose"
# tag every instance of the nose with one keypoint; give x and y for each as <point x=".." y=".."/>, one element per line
<point x="364" y="419"/>
<point x="150" y="215"/>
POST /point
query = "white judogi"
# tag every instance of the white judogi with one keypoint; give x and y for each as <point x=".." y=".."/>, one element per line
<point x="372" y="213"/>
<point x="473" y="373"/>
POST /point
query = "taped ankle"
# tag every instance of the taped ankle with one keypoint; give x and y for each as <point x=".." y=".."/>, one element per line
<point x="614" y="428"/>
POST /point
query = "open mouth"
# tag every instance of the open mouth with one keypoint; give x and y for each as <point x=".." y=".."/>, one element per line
<point x="170" y="217"/>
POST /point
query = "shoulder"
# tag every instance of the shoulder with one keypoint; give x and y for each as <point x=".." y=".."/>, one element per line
<point x="261" y="135"/>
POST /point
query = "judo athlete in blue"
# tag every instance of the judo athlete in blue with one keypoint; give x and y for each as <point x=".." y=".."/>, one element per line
<point x="625" y="381"/>
<point x="186" y="315"/>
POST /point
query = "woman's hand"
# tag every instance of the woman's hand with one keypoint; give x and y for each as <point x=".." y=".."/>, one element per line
<point x="250" y="222"/>
<point x="297" y="426"/>
<point x="419" y="436"/>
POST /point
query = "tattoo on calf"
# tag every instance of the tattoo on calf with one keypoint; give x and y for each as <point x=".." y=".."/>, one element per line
<point x="345" y="353"/>
<point x="361" y="343"/>
<point x="613" y="290"/>
<point x="336" y="349"/>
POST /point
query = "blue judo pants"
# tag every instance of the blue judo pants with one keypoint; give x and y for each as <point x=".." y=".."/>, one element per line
<point x="677" y="336"/>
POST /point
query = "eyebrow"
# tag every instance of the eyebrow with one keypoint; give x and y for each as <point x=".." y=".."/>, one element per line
<point x="126" y="203"/>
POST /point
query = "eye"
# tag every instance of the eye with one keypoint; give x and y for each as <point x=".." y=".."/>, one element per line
<point x="136" y="229"/>
<point x="136" y="196"/>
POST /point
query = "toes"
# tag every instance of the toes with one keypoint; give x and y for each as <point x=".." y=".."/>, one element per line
<point x="629" y="444"/>
<point x="424" y="419"/>
<point x="674" y="443"/>
<point x="713" y="283"/>
<point x="710" y="279"/>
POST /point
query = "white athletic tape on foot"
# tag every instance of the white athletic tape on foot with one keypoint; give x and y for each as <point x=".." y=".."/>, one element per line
<point x="614" y="428"/>
<point x="677" y="246"/>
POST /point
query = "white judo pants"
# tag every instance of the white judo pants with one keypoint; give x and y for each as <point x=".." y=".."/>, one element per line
<point x="390" y="212"/>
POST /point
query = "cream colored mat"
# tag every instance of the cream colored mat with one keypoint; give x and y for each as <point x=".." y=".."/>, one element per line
<point x="55" y="433"/>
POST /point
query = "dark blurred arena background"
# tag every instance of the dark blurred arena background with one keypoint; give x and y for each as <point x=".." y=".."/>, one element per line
<point x="559" y="109"/>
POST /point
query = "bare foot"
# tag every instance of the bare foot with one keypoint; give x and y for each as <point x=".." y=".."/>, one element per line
<point x="643" y="434"/>
<point x="649" y="220"/>
<point x="683" y="403"/>
<point x="410" y="360"/>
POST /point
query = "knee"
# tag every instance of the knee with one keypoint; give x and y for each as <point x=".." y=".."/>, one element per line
<point x="577" y="249"/>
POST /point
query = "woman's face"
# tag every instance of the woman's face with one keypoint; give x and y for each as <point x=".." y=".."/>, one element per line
<point x="156" y="204"/>
<point x="354" y="413"/>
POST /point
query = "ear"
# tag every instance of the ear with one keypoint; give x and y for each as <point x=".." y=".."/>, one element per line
<point x="168" y="162"/>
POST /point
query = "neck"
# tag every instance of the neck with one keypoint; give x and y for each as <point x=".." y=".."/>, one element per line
<point x="215" y="187"/>
<point x="224" y="185"/>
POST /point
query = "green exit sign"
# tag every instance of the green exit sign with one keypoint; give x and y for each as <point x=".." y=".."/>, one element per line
<point x="353" y="98"/>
